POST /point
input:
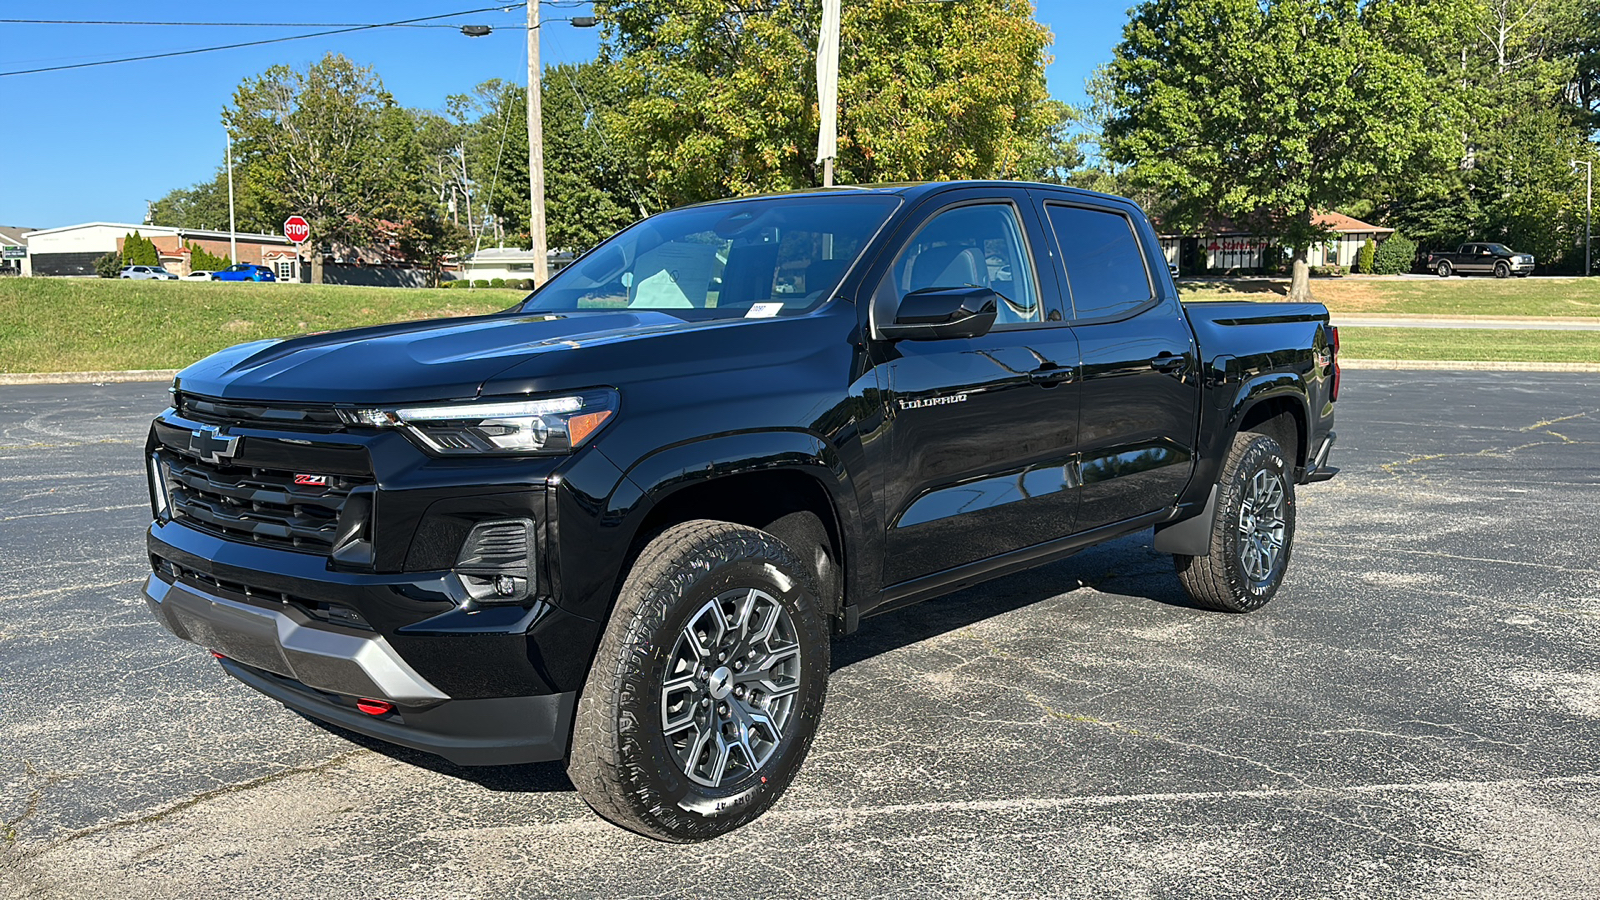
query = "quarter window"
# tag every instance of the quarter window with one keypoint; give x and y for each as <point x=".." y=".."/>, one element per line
<point x="1105" y="270"/>
<point x="973" y="246"/>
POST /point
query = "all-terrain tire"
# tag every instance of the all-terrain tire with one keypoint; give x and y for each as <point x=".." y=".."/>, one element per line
<point x="1237" y="575"/>
<point x="622" y="761"/>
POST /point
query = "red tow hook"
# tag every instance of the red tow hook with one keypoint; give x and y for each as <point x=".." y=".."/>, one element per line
<point x="218" y="655"/>
<point x="375" y="707"/>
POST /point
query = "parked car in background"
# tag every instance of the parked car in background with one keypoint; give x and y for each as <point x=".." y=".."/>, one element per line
<point x="198" y="275"/>
<point x="1482" y="259"/>
<point x="147" y="273"/>
<point x="244" y="272"/>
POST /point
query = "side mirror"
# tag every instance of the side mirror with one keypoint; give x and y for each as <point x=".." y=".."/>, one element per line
<point x="939" y="313"/>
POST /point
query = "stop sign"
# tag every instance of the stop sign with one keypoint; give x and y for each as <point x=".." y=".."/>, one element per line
<point x="296" y="229"/>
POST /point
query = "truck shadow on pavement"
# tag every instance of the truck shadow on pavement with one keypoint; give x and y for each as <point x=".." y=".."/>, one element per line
<point x="1127" y="568"/>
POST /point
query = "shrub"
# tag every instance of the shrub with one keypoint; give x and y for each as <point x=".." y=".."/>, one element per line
<point x="1394" y="256"/>
<point x="525" y="284"/>
<point x="203" y="260"/>
<point x="497" y="282"/>
<point x="1364" y="258"/>
<point x="479" y="283"/>
<point x="139" y="251"/>
<point x="458" y="283"/>
<point x="109" y="265"/>
<point x="1327" y="271"/>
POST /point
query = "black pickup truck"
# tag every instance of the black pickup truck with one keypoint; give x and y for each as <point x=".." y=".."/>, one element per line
<point x="1482" y="259"/>
<point x="616" y="523"/>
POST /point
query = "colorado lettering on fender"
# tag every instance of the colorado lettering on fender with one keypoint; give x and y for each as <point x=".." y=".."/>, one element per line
<point x="932" y="401"/>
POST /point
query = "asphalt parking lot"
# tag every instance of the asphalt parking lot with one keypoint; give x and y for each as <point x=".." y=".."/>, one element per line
<point x="1416" y="715"/>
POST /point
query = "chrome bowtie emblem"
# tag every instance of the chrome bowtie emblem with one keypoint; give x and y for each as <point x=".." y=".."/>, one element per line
<point x="211" y="446"/>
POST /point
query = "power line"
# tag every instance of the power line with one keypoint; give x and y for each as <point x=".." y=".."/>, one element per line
<point x="565" y="4"/>
<point x="278" y="40"/>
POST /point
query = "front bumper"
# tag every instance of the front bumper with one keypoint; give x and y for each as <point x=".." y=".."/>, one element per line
<point x="321" y="670"/>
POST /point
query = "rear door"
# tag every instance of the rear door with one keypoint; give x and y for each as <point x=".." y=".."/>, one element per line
<point x="977" y="457"/>
<point x="1140" y="389"/>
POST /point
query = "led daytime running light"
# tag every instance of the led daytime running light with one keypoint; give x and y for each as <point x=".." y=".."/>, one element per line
<point x="555" y="406"/>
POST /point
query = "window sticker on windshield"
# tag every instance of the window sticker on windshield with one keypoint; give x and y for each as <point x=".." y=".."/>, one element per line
<point x="763" y="310"/>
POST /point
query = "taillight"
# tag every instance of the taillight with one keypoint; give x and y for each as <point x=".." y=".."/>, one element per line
<point x="1334" y="394"/>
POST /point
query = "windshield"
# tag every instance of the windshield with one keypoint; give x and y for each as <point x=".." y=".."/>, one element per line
<point x="755" y="258"/>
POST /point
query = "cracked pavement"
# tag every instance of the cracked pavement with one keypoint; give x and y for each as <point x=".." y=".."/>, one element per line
<point x="1416" y="714"/>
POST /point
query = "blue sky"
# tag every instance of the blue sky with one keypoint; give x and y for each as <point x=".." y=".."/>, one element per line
<point x="95" y="144"/>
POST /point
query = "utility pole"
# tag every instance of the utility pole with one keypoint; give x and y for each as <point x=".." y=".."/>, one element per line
<point x="1588" y="215"/>
<point x="828" y="89"/>
<point x="536" y="230"/>
<point x="233" y="237"/>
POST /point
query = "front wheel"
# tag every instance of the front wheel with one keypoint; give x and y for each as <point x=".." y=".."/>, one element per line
<point x="1253" y="532"/>
<point x="1501" y="270"/>
<point x="707" y="687"/>
<point x="1443" y="269"/>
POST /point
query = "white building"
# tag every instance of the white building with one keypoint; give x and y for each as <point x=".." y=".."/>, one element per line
<point x="72" y="249"/>
<point x="13" y="250"/>
<point x="506" y="262"/>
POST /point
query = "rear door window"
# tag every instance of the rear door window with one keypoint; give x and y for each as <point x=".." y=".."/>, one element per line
<point x="1106" y="273"/>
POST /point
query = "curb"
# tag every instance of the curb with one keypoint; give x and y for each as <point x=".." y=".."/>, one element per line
<point x="126" y="375"/>
<point x="1434" y="365"/>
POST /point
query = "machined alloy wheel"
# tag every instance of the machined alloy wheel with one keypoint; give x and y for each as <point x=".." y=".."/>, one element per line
<point x="1501" y="270"/>
<point x="732" y="680"/>
<point x="1261" y="525"/>
<point x="707" y="686"/>
<point x="1252" y="534"/>
<point x="1443" y="269"/>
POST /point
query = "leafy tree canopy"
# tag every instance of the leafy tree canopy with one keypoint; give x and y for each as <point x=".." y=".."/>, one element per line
<point x="719" y="100"/>
<point x="1267" y="111"/>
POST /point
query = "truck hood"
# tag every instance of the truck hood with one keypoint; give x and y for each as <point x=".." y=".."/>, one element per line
<point x="448" y="359"/>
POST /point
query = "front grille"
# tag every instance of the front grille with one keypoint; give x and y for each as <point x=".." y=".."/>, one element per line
<point x="258" y="505"/>
<point x="235" y="412"/>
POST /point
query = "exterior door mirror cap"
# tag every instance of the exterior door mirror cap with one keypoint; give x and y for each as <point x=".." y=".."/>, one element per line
<point x="939" y="313"/>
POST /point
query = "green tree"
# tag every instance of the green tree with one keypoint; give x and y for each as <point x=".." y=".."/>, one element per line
<point x="139" y="251"/>
<point x="720" y="99"/>
<point x="203" y="205"/>
<point x="203" y="260"/>
<point x="307" y="142"/>
<point x="1268" y="111"/>
<point x="592" y="187"/>
<point x="1365" y="257"/>
<point x="1512" y="77"/>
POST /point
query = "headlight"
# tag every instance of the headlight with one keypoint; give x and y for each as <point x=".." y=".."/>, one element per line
<point x="546" y="426"/>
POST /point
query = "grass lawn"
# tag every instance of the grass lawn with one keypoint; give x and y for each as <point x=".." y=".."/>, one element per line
<point x="1477" y="344"/>
<point x="1415" y="296"/>
<point x="82" y="324"/>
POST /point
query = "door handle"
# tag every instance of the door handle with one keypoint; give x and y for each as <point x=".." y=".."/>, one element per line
<point x="1166" y="362"/>
<point x="1050" y="375"/>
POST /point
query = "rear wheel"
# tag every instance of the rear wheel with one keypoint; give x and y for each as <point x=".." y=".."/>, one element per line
<point x="1253" y="533"/>
<point x="1443" y="269"/>
<point x="707" y="687"/>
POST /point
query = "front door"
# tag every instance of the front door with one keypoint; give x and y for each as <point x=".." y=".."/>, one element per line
<point x="977" y="459"/>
